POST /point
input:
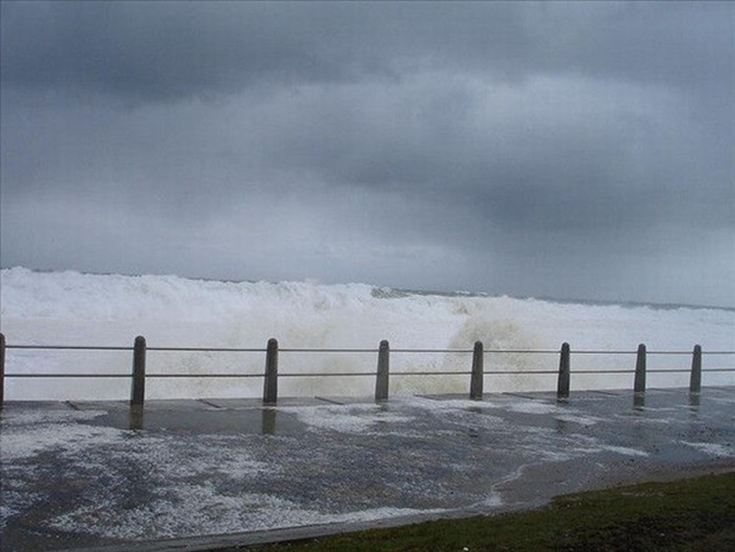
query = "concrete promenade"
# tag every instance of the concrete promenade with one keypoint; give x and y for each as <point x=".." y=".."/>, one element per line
<point x="76" y="475"/>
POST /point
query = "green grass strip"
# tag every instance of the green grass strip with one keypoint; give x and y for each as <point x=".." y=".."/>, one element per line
<point x="685" y="515"/>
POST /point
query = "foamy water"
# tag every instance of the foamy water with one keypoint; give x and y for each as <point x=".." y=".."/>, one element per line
<point x="70" y="308"/>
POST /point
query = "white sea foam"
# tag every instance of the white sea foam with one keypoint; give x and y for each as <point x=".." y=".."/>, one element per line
<point x="580" y="419"/>
<point x="713" y="449"/>
<point x="626" y="451"/>
<point x="83" y="309"/>
<point x="201" y="509"/>
<point x="346" y="419"/>
<point x="35" y="434"/>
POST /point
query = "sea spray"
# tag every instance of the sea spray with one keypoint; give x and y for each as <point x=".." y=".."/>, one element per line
<point x="86" y="309"/>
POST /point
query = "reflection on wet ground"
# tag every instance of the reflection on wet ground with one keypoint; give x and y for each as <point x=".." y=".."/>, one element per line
<point x="254" y="420"/>
<point x="82" y="474"/>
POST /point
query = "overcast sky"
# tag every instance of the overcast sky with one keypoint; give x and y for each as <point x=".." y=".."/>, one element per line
<point x="581" y="150"/>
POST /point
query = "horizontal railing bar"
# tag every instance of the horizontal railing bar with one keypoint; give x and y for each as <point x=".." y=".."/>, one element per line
<point x="430" y="373"/>
<point x="665" y="370"/>
<point x="593" y="352"/>
<point x="343" y="374"/>
<point x="598" y="352"/>
<point x="204" y="375"/>
<point x="207" y="349"/>
<point x="491" y="372"/>
<point x="300" y="350"/>
<point x="603" y="371"/>
<point x="349" y="350"/>
<point x="669" y="352"/>
<point x="324" y="374"/>
<point x="438" y="351"/>
<point x="523" y="351"/>
<point x="718" y="369"/>
<point x="71" y="347"/>
<point x="68" y="375"/>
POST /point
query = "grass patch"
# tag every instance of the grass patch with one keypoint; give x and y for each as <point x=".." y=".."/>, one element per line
<point x="686" y="515"/>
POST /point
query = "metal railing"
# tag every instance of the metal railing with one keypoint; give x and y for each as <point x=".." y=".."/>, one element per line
<point x="270" y="376"/>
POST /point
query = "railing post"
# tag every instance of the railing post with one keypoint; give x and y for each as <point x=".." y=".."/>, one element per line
<point x="478" y="374"/>
<point x="381" y="381"/>
<point x="639" y="385"/>
<point x="137" y="396"/>
<point x="2" y="369"/>
<point x="270" y="386"/>
<point x="562" y="387"/>
<point x="695" y="379"/>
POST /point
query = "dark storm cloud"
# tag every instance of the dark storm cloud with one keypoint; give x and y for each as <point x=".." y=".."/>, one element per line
<point x="174" y="49"/>
<point x="556" y="149"/>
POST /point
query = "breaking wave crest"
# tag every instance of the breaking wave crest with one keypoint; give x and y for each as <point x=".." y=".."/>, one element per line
<point x="85" y="309"/>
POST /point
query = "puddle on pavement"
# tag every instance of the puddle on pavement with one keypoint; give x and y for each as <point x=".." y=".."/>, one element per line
<point x="266" y="421"/>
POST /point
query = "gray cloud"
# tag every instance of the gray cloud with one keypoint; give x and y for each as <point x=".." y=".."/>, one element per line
<point x="578" y="150"/>
<point x="167" y="49"/>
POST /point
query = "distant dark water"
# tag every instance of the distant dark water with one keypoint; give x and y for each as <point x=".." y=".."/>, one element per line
<point x="388" y="293"/>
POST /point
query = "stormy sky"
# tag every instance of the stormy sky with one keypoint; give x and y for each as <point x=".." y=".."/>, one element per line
<point x="582" y="150"/>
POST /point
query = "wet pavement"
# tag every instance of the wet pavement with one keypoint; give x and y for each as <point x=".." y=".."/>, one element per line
<point x="89" y="474"/>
